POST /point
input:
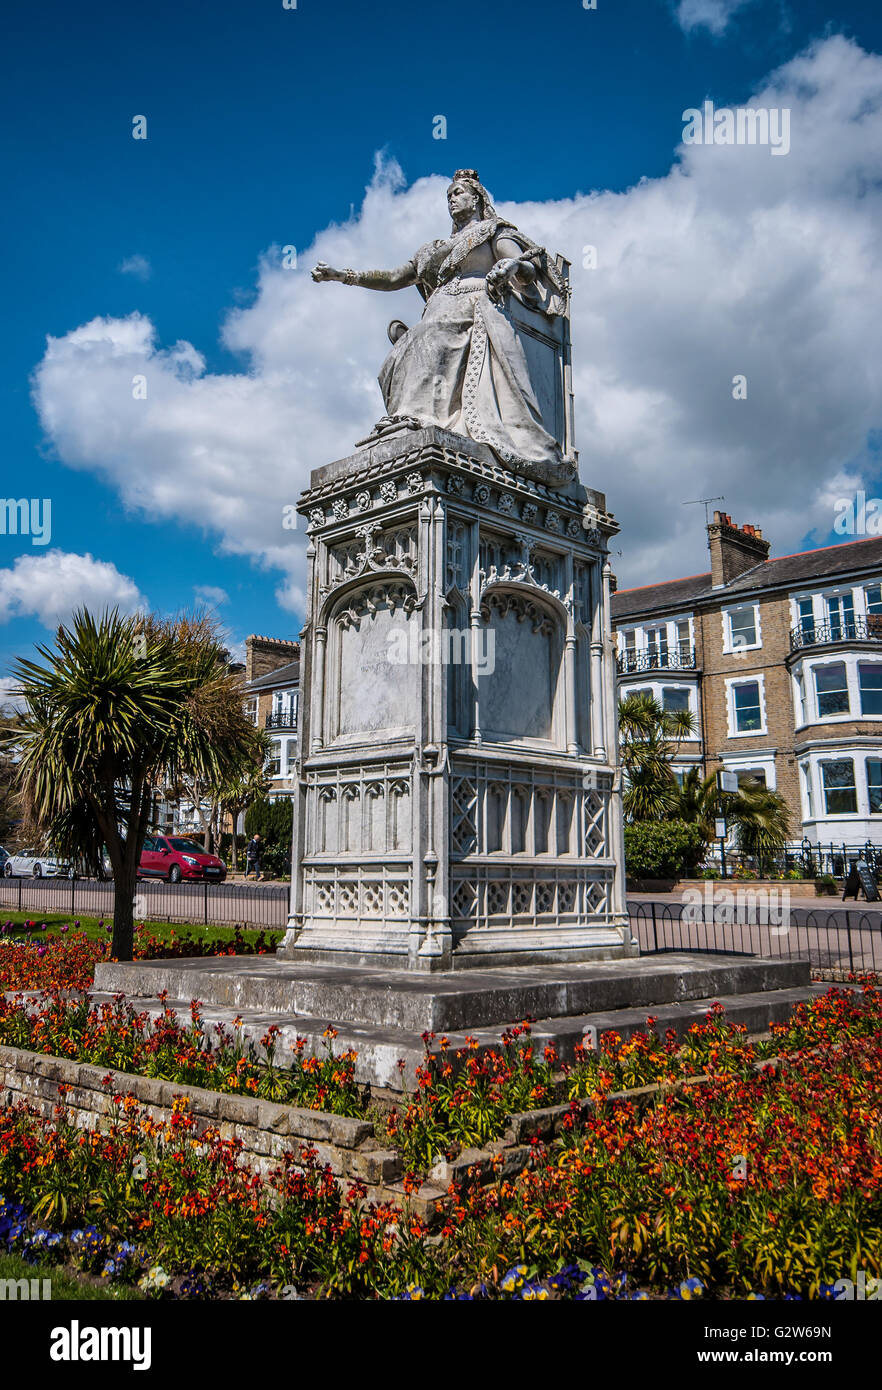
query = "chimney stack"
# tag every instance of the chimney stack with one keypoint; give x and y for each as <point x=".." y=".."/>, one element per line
<point x="733" y="549"/>
<point x="265" y="654"/>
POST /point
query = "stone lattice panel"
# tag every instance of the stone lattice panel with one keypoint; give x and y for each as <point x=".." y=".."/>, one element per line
<point x="491" y="897"/>
<point x="594" y="809"/>
<point x="463" y="807"/>
<point x="368" y="893"/>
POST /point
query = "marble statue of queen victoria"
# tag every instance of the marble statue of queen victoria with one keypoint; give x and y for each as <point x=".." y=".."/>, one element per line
<point x="463" y="366"/>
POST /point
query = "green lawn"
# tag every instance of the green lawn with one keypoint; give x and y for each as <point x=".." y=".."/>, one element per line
<point x="162" y="930"/>
<point x="65" y="1283"/>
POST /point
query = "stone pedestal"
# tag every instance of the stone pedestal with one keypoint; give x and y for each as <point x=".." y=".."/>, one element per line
<point x="458" y="801"/>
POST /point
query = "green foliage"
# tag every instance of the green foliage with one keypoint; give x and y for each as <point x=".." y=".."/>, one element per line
<point x="464" y="1100"/>
<point x="761" y="817"/>
<point x="662" y="849"/>
<point x="121" y="706"/>
<point x="273" y="821"/>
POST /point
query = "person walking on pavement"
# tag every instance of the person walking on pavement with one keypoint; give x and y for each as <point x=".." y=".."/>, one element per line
<point x="252" y="858"/>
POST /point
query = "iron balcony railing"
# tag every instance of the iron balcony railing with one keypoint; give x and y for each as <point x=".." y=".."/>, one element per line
<point x="283" y="719"/>
<point x="672" y="659"/>
<point x="847" y="630"/>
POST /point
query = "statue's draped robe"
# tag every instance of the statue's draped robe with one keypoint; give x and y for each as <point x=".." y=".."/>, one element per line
<point x="462" y="367"/>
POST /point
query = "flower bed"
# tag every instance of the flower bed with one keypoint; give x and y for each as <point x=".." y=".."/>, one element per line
<point x="67" y="961"/>
<point x="761" y="1186"/>
<point x="138" y="1194"/>
<point x="753" y="1180"/>
<point x="465" y="1100"/>
<point x="116" y="1035"/>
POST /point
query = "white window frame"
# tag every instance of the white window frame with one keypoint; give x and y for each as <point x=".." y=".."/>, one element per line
<point x="275" y="752"/>
<point x="843" y="756"/>
<point x="677" y="685"/>
<point x="875" y="757"/>
<point x="864" y="659"/>
<point x="761" y="761"/>
<point x="289" y="752"/>
<point x="758" y="678"/>
<point x="850" y="660"/>
<point x="808" y="795"/>
<point x="729" y="647"/>
<point x="654" y="688"/>
<point x="820" y="718"/>
<point x="840" y="593"/>
<point x="816" y="808"/>
<point x="800" y="697"/>
<point x="640" y="633"/>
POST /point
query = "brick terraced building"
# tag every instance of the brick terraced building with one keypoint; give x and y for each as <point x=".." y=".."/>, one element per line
<point x="780" y="662"/>
<point x="272" y="696"/>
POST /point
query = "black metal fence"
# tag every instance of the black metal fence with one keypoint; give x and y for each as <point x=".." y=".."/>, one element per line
<point x="732" y="920"/>
<point x="838" y="940"/>
<point x="206" y="904"/>
<point x="809" y="861"/>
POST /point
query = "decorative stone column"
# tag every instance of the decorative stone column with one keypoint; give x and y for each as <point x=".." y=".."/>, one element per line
<point x="458" y="800"/>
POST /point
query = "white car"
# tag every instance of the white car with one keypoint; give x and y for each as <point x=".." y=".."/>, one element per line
<point x="36" y="863"/>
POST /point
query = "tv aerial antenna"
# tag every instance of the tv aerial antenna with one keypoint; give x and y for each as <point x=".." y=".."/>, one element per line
<point x="703" y="502"/>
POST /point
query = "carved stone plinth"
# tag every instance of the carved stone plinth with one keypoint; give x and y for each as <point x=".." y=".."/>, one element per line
<point x="458" y="798"/>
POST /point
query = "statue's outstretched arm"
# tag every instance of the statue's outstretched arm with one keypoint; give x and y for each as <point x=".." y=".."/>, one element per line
<point x="369" y="279"/>
<point x="511" y="265"/>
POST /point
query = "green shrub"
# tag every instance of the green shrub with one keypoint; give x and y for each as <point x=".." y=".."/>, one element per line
<point x="272" y="821"/>
<point x="662" y="849"/>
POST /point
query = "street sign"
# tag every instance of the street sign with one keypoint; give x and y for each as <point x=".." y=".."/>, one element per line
<point x="720" y="828"/>
<point x="727" y="781"/>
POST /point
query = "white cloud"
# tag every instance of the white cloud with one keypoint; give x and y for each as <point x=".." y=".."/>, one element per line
<point x="714" y="15"/>
<point x="137" y="265"/>
<point x="236" y="648"/>
<point x="210" y="596"/>
<point x="10" y="699"/>
<point x="734" y="262"/>
<point x="49" y="587"/>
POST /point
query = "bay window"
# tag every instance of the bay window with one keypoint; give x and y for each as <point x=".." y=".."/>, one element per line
<point x="840" y="792"/>
<point x="831" y="689"/>
<point x="870" y="681"/>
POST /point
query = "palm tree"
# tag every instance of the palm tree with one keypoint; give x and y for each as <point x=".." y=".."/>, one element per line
<point x="761" y="817"/>
<point x="125" y="704"/>
<point x="649" y="738"/>
<point x="10" y="807"/>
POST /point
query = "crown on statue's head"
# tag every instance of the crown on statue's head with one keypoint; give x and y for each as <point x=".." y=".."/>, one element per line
<point x="466" y="174"/>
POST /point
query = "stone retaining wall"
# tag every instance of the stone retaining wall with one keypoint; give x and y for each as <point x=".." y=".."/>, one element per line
<point x="265" y="1129"/>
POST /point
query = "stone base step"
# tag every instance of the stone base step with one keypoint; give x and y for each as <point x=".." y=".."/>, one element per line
<point x="380" y="1048"/>
<point x="400" y="1000"/>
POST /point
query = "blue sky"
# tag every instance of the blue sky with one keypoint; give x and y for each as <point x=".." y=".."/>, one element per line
<point x="264" y="125"/>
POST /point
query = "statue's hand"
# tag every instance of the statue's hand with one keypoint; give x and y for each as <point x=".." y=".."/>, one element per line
<point x="322" y="271"/>
<point x="499" y="276"/>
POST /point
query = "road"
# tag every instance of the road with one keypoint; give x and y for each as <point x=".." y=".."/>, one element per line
<point x="250" y="904"/>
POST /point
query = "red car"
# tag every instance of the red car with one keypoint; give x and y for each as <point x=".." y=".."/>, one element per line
<point x="167" y="856"/>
